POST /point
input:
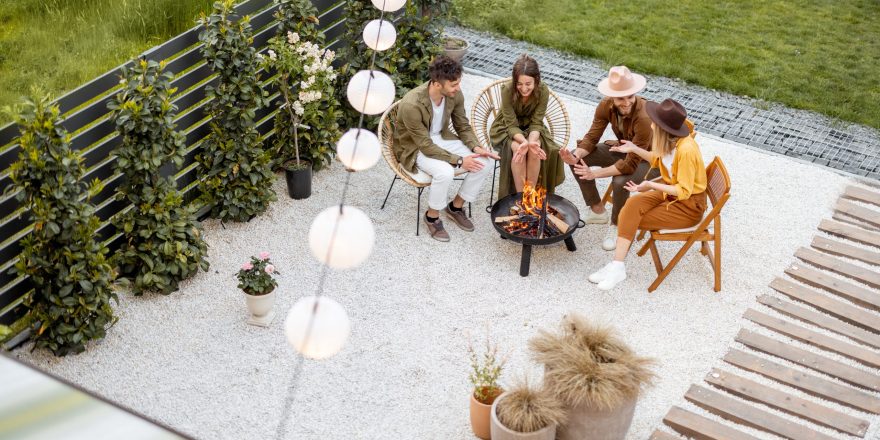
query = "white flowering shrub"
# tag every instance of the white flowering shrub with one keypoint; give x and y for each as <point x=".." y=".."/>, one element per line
<point x="306" y="126"/>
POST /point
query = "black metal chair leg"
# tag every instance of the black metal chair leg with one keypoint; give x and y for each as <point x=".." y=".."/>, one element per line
<point x="492" y="191"/>
<point x="389" y="191"/>
<point x="419" y="211"/>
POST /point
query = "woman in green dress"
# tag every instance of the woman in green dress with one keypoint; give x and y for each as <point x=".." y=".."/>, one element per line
<point x="528" y="153"/>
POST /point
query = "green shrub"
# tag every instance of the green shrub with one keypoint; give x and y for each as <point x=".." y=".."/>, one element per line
<point x="237" y="180"/>
<point x="307" y="123"/>
<point x="163" y="243"/>
<point x="70" y="303"/>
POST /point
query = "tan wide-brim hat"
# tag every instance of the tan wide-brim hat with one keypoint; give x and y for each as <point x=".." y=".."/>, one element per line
<point x="621" y="82"/>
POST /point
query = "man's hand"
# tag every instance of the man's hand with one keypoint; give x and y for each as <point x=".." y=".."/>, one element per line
<point x="643" y="186"/>
<point x="471" y="164"/>
<point x="567" y="156"/>
<point x="487" y="153"/>
<point x="583" y="171"/>
<point x="612" y="142"/>
<point x="624" y="147"/>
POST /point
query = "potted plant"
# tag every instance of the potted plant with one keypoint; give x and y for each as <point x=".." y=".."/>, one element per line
<point x="485" y="372"/>
<point x="306" y="80"/>
<point x="454" y="47"/>
<point x="526" y="413"/>
<point x="597" y="376"/>
<point x="256" y="279"/>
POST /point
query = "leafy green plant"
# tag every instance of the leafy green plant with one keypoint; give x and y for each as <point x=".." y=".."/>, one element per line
<point x="309" y="110"/>
<point x="435" y="9"/>
<point x="70" y="303"/>
<point x="485" y="371"/>
<point x="256" y="277"/>
<point x="418" y="42"/>
<point x="237" y="181"/>
<point x="163" y="243"/>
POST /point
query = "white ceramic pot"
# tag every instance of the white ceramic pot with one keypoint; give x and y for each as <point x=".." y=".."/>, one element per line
<point x="261" y="308"/>
<point x="501" y="432"/>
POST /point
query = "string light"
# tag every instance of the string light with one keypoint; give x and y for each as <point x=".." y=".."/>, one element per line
<point x="371" y="92"/>
<point x="341" y="237"/>
<point x="365" y="155"/>
<point x="379" y="34"/>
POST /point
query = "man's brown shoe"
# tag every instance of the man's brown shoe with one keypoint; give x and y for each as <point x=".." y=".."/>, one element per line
<point x="460" y="218"/>
<point x="437" y="231"/>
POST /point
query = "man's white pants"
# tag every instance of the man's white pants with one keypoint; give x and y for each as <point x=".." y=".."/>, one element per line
<point x="442" y="173"/>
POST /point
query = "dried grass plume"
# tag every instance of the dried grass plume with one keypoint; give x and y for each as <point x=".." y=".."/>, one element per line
<point x="587" y="364"/>
<point x="526" y="409"/>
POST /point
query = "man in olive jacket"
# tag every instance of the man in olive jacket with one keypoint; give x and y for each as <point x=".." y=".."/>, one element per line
<point x="423" y="141"/>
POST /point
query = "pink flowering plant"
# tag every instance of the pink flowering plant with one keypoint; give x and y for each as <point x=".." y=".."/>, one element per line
<point x="256" y="277"/>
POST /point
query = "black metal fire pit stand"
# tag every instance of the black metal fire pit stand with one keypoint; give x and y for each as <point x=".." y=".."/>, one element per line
<point x="526" y="259"/>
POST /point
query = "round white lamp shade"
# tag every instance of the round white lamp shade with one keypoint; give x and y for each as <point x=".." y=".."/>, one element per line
<point x="388" y="5"/>
<point x="353" y="241"/>
<point x="358" y="149"/>
<point x="371" y="92"/>
<point x="379" y="35"/>
<point x="329" y="327"/>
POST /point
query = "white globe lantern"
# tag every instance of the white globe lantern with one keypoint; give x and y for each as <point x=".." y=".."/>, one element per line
<point x="371" y="92"/>
<point x="379" y="34"/>
<point x="353" y="240"/>
<point x="358" y="149"/>
<point x="388" y="5"/>
<point x="329" y="324"/>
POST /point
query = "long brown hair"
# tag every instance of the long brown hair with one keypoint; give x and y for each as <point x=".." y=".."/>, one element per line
<point x="525" y="65"/>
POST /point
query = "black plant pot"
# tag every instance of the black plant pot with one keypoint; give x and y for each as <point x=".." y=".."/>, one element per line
<point x="299" y="180"/>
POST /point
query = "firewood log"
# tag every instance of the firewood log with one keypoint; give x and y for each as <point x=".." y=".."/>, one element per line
<point x="561" y="225"/>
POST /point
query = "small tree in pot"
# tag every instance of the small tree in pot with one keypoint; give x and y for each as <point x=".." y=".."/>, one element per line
<point x="485" y="371"/>
<point x="595" y="374"/>
<point x="526" y="413"/>
<point x="256" y="280"/>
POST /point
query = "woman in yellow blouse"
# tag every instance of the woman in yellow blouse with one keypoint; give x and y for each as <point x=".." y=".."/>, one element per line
<point x="678" y="202"/>
<point x="528" y="152"/>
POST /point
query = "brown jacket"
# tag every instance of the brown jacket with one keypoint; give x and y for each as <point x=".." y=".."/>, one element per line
<point x="412" y="135"/>
<point x="636" y="129"/>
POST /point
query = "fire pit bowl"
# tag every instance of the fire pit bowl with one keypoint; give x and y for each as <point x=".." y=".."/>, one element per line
<point x="562" y="205"/>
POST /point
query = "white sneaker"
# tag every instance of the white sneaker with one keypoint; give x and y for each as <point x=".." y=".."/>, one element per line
<point x="615" y="274"/>
<point x="609" y="243"/>
<point x="597" y="219"/>
<point x="599" y="275"/>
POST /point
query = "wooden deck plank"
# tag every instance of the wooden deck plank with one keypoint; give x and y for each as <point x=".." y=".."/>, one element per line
<point x="810" y="360"/>
<point x="787" y="403"/>
<point x="661" y="435"/>
<point x="843" y="218"/>
<point x="839" y="248"/>
<point x="850" y="232"/>
<point x="701" y="428"/>
<point x="808" y="383"/>
<point x="864" y="356"/>
<point x="863" y="214"/>
<point x="839" y="309"/>
<point x="839" y="266"/>
<point x="861" y="194"/>
<point x="820" y="319"/>
<point x="851" y="292"/>
<point x="741" y="412"/>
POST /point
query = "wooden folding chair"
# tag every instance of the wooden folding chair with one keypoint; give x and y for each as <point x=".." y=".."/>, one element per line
<point x="718" y="191"/>
<point x="486" y="107"/>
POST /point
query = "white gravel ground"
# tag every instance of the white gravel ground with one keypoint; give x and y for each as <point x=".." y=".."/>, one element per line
<point x="190" y="361"/>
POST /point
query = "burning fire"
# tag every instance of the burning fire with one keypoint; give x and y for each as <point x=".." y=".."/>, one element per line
<point x="528" y="216"/>
<point x="532" y="199"/>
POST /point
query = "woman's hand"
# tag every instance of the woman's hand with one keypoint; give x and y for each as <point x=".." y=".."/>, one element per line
<point x="520" y="151"/>
<point x="536" y="150"/>
<point x="624" y="147"/>
<point x="643" y="186"/>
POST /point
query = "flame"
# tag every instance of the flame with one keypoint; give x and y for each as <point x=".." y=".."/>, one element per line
<point x="532" y="199"/>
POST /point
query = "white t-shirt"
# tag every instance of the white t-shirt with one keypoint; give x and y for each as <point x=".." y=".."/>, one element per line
<point x="437" y="118"/>
<point x="667" y="161"/>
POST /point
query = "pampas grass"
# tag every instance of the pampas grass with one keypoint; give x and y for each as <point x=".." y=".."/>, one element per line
<point x="587" y="364"/>
<point x="526" y="409"/>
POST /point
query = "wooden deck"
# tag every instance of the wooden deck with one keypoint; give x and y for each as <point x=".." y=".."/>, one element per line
<point x="823" y="289"/>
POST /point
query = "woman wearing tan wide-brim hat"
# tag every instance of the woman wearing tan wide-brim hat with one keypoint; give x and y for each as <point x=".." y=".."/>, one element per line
<point x="624" y="111"/>
<point x="678" y="202"/>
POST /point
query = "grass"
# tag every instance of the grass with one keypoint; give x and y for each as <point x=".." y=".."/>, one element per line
<point x="820" y="55"/>
<point x="62" y="44"/>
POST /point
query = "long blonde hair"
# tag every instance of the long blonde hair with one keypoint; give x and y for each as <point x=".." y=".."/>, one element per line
<point x="662" y="143"/>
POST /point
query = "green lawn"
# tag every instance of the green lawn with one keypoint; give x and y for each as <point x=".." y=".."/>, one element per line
<point x="821" y="55"/>
<point x="61" y="44"/>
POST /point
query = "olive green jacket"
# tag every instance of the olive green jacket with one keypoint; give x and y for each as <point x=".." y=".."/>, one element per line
<point x="413" y="127"/>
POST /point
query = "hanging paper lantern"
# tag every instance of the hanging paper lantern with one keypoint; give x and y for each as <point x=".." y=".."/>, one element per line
<point x="317" y="327"/>
<point x="358" y="149"/>
<point x="371" y="92"/>
<point x="379" y="34"/>
<point x="388" y="5"/>
<point x="353" y="239"/>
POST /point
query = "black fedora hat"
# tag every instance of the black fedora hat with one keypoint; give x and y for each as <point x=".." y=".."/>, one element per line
<point x="668" y="115"/>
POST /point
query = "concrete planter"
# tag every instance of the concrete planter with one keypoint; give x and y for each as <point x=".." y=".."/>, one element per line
<point x="587" y="422"/>
<point x="457" y="50"/>
<point x="501" y="432"/>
